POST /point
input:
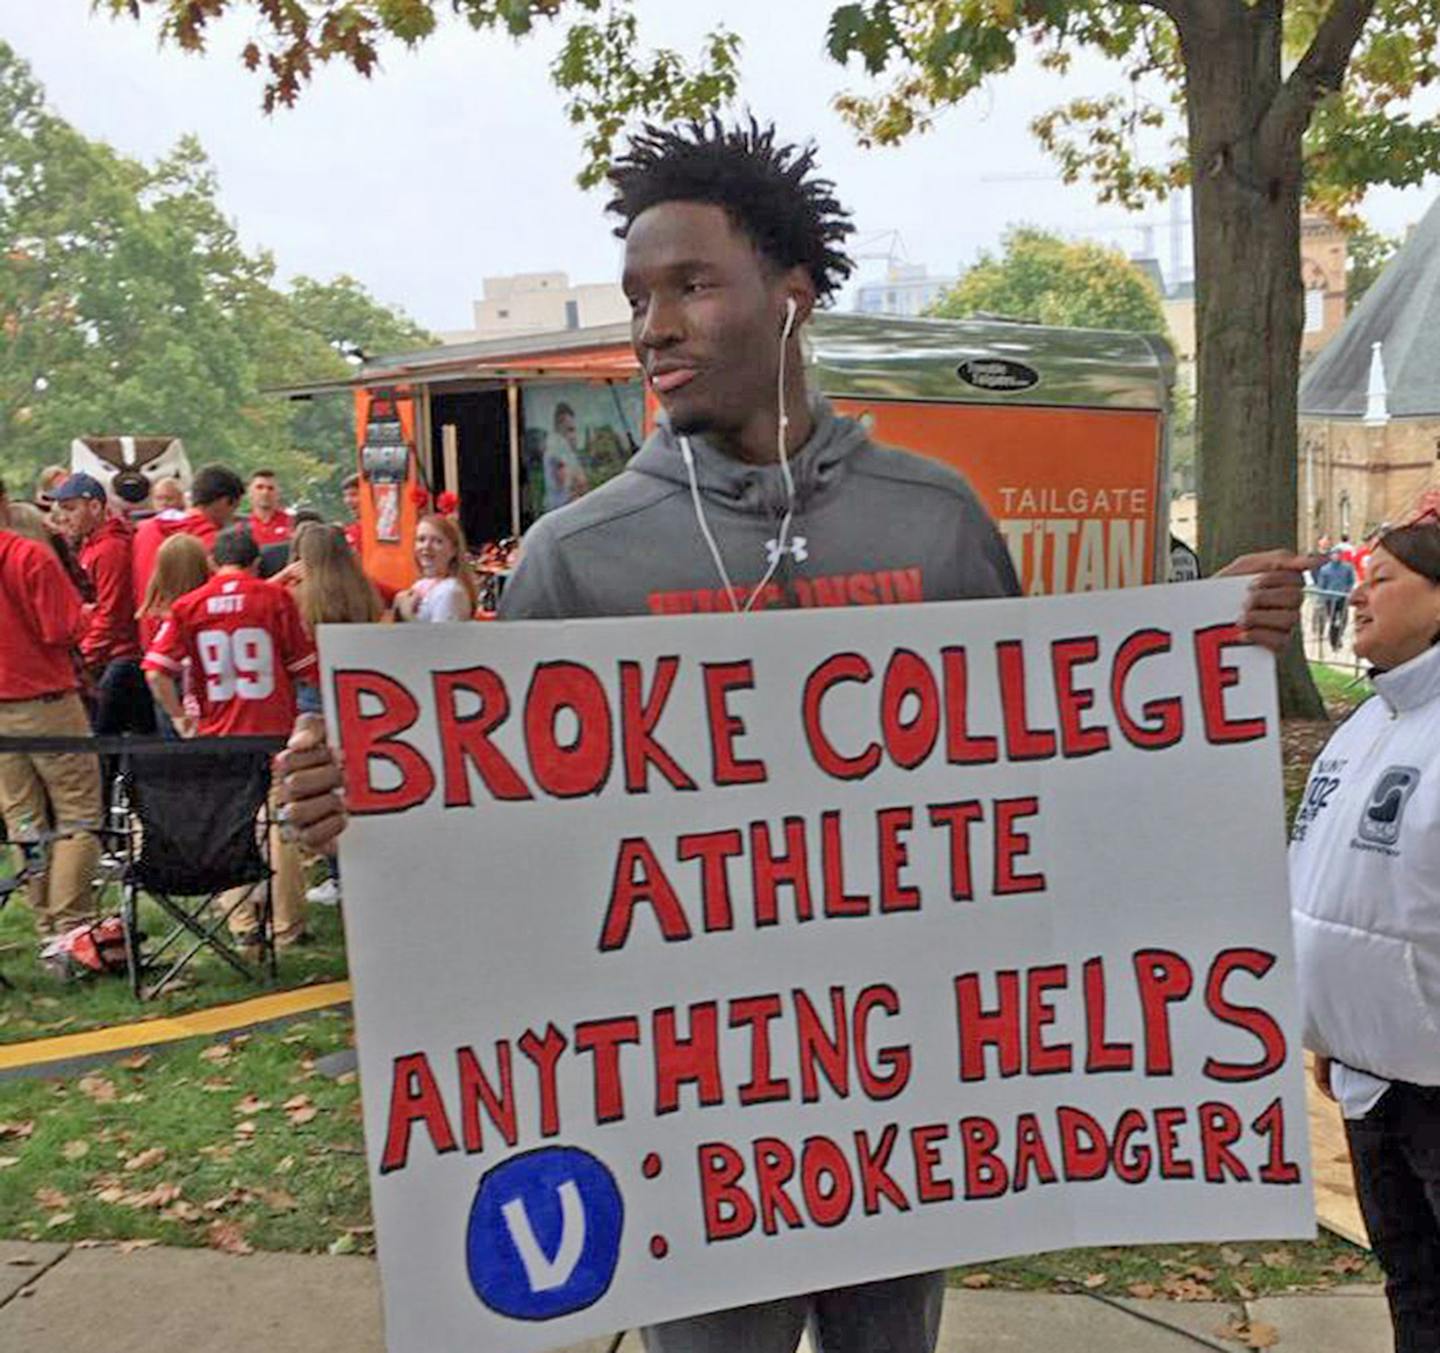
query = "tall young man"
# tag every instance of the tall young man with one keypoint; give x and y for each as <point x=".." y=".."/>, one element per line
<point x="730" y="242"/>
<point x="269" y="522"/>
<point x="110" y="649"/>
<point x="215" y="493"/>
<point x="50" y="801"/>
<point x="247" y="645"/>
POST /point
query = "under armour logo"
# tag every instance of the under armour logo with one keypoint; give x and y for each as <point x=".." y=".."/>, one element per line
<point x="796" y="548"/>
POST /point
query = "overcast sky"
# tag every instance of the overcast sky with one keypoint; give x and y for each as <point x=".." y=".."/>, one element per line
<point x="456" y="161"/>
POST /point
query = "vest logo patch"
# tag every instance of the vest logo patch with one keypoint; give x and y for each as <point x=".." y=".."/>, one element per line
<point x="1385" y="808"/>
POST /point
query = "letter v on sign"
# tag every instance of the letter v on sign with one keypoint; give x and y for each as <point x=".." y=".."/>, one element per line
<point x="544" y="1233"/>
<point x="546" y="1274"/>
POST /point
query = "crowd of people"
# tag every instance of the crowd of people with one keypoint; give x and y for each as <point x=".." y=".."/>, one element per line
<point x="193" y="617"/>
<point x="1342" y="565"/>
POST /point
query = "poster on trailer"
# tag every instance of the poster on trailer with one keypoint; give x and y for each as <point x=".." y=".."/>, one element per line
<point x="577" y="435"/>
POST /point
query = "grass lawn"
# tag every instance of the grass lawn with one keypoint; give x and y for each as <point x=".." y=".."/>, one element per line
<point x="40" y="1006"/>
<point x="1238" y="1272"/>
<point x="242" y="1144"/>
<point x="223" y="1144"/>
<point x="1340" y="688"/>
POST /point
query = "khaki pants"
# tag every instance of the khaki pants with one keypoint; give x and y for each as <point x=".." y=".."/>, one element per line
<point x="287" y="888"/>
<point x="42" y="795"/>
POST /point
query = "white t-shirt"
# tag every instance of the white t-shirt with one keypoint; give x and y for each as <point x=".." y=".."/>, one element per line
<point x="441" y="599"/>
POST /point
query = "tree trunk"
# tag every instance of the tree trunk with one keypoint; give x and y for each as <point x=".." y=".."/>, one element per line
<point x="1249" y="297"/>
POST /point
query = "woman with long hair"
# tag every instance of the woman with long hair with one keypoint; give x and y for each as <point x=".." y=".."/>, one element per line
<point x="446" y="589"/>
<point x="331" y="589"/>
<point x="1365" y="899"/>
<point x="181" y="565"/>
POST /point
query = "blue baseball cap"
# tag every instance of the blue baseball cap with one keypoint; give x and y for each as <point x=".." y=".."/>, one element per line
<point x="79" y="486"/>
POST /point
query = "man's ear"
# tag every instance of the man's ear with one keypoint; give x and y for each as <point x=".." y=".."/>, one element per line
<point x="799" y="289"/>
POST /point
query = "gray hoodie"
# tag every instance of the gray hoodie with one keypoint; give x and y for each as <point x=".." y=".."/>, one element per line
<point x="872" y="526"/>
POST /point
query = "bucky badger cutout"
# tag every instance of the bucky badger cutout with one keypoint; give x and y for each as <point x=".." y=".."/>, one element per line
<point x="129" y="466"/>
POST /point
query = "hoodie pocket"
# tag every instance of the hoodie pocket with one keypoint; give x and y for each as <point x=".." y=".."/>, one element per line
<point x="1364" y="1003"/>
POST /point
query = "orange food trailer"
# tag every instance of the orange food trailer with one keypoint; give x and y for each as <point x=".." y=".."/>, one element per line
<point x="1062" y="432"/>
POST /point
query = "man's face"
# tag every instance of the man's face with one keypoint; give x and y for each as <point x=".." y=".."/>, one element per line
<point x="706" y="316"/>
<point x="264" y="494"/>
<point x="167" y="496"/>
<point x="77" y="518"/>
<point x="565" y="426"/>
<point x="352" y="499"/>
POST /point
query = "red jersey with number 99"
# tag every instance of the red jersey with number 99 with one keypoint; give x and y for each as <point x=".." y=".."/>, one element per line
<point x="246" y="645"/>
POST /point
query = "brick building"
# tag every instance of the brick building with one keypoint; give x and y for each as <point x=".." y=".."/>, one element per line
<point x="1322" y="272"/>
<point x="1370" y="402"/>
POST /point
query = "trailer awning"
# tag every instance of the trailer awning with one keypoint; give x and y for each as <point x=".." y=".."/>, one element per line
<point x="871" y="357"/>
<point x="596" y="356"/>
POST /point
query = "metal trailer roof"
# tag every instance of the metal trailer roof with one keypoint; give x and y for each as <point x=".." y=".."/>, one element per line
<point x="877" y="357"/>
<point x="852" y="356"/>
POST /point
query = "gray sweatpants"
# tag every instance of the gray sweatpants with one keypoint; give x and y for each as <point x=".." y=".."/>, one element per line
<point x="900" y="1315"/>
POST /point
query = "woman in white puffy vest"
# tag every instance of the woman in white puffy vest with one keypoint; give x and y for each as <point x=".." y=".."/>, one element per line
<point x="1365" y="890"/>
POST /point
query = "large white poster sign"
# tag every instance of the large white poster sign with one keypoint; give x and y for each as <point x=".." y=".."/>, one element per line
<point x="703" y="960"/>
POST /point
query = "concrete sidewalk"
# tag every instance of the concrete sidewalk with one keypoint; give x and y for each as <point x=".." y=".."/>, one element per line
<point x="64" y="1299"/>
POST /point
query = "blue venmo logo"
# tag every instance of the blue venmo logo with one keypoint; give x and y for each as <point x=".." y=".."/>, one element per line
<point x="544" y="1234"/>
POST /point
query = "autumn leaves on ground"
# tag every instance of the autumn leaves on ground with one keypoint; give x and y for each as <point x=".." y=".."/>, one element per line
<point x="235" y="1145"/>
<point x="243" y="1144"/>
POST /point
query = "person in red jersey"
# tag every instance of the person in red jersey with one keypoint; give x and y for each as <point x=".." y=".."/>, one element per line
<point x="215" y="493"/>
<point x="247" y="646"/>
<point x="269" y="523"/>
<point x="110" y="649"/>
<point x="47" y="799"/>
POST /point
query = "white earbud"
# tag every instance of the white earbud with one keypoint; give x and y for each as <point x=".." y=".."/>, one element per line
<point x="791" y="307"/>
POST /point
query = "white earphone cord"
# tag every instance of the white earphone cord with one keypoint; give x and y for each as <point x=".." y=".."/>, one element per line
<point x="783" y="539"/>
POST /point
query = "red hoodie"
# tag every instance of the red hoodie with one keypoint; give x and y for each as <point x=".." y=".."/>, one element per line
<point x="41" y="618"/>
<point x="154" y="532"/>
<point x="106" y="559"/>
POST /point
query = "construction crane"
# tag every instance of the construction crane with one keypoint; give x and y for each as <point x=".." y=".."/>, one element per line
<point x="893" y="252"/>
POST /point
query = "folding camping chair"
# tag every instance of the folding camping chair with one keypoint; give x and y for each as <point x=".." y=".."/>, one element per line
<point x="194" y="810"/>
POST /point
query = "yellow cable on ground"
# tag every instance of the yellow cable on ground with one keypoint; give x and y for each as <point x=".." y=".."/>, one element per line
<point x="218" y="1019"/>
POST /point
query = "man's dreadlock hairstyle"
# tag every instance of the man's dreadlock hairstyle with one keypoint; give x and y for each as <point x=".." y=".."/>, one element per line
<point x="767" y="190"/>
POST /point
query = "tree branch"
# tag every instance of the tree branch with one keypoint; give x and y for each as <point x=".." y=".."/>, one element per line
<point x="1320" y="71"/>
<point x="1322" y="68"/>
